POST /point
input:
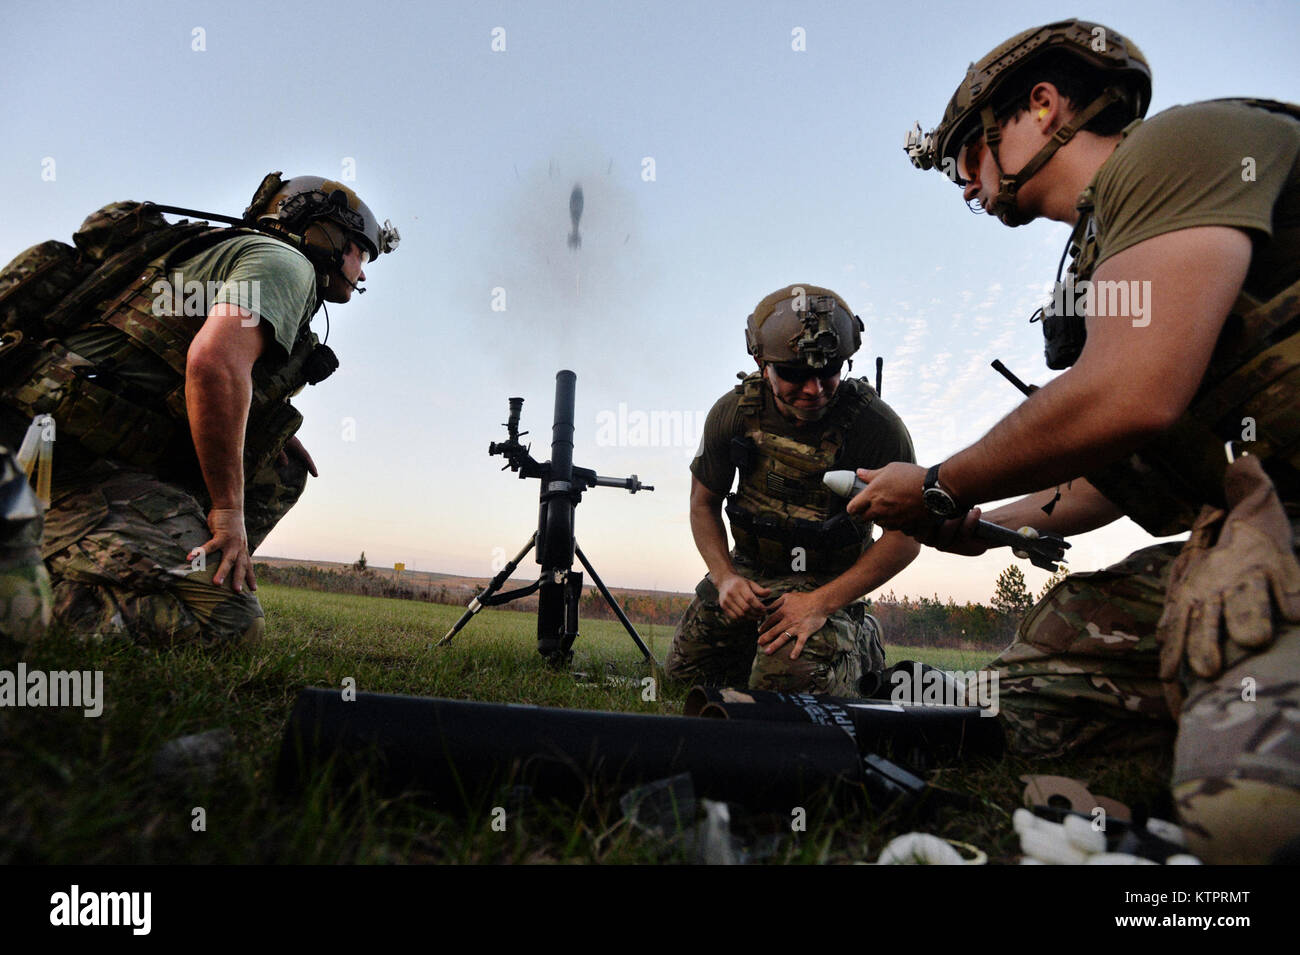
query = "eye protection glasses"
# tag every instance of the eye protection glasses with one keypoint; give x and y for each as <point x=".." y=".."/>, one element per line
<point x="799" y="374"/>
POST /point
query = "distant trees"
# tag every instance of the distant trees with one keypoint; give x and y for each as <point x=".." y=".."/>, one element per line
<point x="1010" y="596"/>
<point x="359" y="565"/>
<point x="931" y="622"/>
<point x="1052" y="581"/>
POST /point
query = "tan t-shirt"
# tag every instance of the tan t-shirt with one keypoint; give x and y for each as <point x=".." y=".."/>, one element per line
<point x="256" y="272"/>
<point x="1217" y="163"/>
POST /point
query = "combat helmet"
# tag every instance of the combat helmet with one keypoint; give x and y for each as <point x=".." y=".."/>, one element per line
<point x="991" y="79"/>
<point x="806" y="324"/>
<point x="319" y="215"/>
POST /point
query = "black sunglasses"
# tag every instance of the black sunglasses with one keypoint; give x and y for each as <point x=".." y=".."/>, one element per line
<point x="798" y="374"/>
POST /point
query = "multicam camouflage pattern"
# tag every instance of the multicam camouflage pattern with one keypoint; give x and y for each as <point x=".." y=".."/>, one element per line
<point x="24" y="582"/>
<point x="1082" y="674"/>
<point x="709" y="649"/>
<point x="1082" y="677"/>
<point x="51" y="379"/>
<point x="117" y="544"/>
<point x="782" y="486"/>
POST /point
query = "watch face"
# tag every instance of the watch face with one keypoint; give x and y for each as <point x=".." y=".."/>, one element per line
<point x="938" y="502"/>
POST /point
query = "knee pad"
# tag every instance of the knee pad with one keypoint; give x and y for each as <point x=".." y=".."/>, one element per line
<point x="1237" y="821"/>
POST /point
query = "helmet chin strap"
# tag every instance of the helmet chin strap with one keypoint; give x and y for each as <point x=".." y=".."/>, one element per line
<point x="1003" y="204"/>
<point x="333" y="262"/>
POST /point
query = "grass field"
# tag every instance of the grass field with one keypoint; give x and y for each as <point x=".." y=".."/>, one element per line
<point x="77" y="789"/>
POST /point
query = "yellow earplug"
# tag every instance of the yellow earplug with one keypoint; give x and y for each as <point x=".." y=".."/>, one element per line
<point x="1042" y="112"/>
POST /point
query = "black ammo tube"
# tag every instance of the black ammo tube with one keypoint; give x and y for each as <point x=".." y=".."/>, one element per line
<point x="461" y="753"/>
<point x="943" y="732"/>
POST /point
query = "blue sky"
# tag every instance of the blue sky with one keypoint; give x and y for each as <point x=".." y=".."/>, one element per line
<point x="771" y="166"/>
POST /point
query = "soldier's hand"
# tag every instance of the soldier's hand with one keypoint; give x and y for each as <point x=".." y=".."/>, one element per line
<point x="741" y="598"/>
<point x="793" y="616"/>
<point x="893" y="496"/>
<point x="229" y="537"/>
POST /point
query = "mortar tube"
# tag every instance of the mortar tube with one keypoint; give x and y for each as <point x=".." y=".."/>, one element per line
<point x="941" y="732"/>
<point x="461" y="753"/>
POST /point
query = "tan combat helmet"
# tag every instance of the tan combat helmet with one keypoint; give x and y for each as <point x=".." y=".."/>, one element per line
<point x="319" y="215"/>
<point x="805" y="324"/>
<point x="989" y="81"/>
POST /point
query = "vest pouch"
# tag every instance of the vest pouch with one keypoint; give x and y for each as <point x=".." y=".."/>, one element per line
<point x="320" y="364"/>
<point x="1063" y="338"/>
<point x="743" y="454"/>
<point x="89" y="410"/>
<point x="266" y="434"/>
<point x="34" y="283"/>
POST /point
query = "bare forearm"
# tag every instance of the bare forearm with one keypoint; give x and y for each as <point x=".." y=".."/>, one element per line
<point x="1063" y="430"/>
<point x="711" y="540"/>
<point x="878" y="564"/>
<point x="1082" y="508"/>
<point x="217" y="399"/>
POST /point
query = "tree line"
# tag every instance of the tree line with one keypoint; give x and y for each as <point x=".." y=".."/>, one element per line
<point x="914" y="622"/>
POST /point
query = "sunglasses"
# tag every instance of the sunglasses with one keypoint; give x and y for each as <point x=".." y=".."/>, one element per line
<point x="798" y="374"/>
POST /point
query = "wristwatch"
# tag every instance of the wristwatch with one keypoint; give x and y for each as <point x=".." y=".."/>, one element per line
<point x="937" y="500"/>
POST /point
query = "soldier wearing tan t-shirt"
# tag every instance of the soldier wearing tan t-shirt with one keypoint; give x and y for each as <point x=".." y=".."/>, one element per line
<point x="1180" y="408"/>
<point x="151" y="540"/>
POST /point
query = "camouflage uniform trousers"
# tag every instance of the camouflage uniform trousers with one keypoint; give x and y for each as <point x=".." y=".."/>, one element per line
<point x="24" y="582"/>
<point x="117" y="542"/>
<point x="1081" y="678"/>
<point x="712" y="650"/>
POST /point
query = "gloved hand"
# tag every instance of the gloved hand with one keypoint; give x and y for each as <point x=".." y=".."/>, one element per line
<point x="1233" y="569"/>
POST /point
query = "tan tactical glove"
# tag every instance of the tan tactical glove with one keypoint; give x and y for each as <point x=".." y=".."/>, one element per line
<point x="1228" y="571"/>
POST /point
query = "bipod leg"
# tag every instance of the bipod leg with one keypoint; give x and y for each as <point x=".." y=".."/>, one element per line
<point x="613" y="604"/>
<point x="477" y="604"/>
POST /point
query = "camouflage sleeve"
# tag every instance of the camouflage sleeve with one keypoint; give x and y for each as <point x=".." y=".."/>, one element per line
<point x="712" y="462"/>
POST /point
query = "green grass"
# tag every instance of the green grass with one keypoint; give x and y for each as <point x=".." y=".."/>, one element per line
<point x="76" y="790"/>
